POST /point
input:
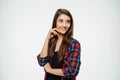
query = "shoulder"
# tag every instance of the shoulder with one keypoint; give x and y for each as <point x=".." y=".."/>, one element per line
<point x="74" y="42"/>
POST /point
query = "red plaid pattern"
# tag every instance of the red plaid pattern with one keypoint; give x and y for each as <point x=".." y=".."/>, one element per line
<point x="71" y="63"/>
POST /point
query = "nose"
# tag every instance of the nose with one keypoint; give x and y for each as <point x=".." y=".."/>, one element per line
<point x="64" y="24"/>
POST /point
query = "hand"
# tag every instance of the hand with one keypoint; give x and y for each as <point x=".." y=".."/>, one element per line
<point x="53" y="32"/>
<point x="47" y="67"/>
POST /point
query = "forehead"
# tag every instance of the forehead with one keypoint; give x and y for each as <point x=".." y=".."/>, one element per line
<point x="64" y="17"/>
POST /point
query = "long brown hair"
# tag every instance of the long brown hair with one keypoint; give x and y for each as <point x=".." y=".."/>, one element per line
<point x="66" y="39"/>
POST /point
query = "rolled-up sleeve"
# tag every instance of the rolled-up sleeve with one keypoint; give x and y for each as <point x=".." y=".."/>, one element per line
<point x="72" y="60"/>
<point x="41" y="61"/>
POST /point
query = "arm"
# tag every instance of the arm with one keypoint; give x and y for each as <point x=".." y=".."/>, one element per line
<point x="42" y="57"/>
<point x="51" y="33"/>
<point x="44" y="51"/>
<point x="70" y="67"/>
<point x="53" y="71"/>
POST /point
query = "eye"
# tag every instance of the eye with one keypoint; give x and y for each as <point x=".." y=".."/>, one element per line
<point x="68" y="21"/>
<point x="60" y="20"/>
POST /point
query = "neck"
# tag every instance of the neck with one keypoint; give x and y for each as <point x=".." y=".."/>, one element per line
<point x="59" y="41"/>
<point x="60" y="37"/>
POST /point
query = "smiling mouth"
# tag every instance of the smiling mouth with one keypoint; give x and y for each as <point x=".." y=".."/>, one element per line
<point x="63" y="29"/>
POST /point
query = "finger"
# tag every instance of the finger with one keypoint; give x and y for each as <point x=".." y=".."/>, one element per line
<point x="55" y="33"/>
<point x="57" y="30"/>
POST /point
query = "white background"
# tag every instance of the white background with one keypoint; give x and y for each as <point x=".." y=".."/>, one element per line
<point x="24" y="25"/>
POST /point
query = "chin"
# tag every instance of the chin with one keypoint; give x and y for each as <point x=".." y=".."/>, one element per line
<point x="63" y="32"/>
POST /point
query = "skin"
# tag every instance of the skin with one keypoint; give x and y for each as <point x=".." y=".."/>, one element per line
<point x="63" y="23"/>
<point x="62" y="26"/>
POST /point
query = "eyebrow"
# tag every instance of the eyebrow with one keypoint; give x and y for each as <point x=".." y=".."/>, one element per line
<point x="66" y="20"/>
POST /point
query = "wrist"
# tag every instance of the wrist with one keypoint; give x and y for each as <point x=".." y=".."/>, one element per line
<point x="47" y="38"/>
<point x="50" y="70"/>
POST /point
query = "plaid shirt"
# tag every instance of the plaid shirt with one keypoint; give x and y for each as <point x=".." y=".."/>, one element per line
<point x="71" y="63"/>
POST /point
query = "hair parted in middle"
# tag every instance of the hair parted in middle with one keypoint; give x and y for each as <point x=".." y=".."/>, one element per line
<point x="66" y="39"/>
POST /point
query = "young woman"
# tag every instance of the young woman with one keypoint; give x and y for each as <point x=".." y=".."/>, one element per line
<point x="60" y="55"/>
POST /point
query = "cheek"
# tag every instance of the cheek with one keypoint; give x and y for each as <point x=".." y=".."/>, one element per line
<point x="57" y="25"/>
<point x="68" y="26"/>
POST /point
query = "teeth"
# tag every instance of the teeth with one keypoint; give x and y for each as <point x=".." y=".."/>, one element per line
<point x="63" y="29"/>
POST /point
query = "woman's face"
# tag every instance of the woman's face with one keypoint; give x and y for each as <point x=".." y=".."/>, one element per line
<point x="63" y="23"/>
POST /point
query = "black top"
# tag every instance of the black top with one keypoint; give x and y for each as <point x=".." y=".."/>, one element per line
<point x="54" y="65"/>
